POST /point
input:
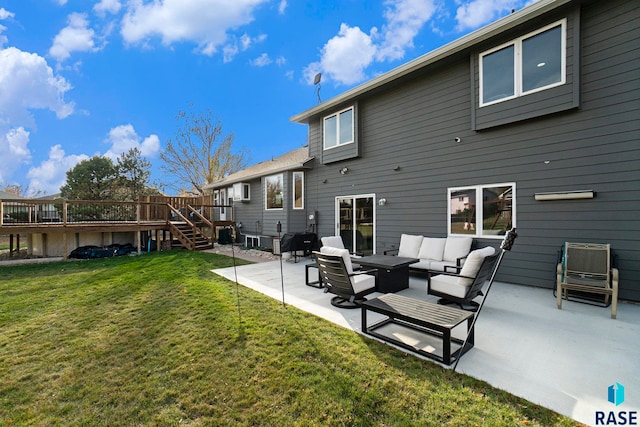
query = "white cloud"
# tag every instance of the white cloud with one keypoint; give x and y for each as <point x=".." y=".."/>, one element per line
<point x="405" y="18"/>
<point x="229" y="52"/>
<point x="76" y="37"/>
<point x="261" y="61"/>
<point x="14" y="151"/>
<point x="345" y="56"/>
<point x="51" y="174"/>
<point x="205" y="22"/>
<point x="124" y="137"/>
<point x="27" y="82"/>
<point x="282" y="7"/>
<point x="107" y="6"/>
<point x="231" y="49"/>
<point x="61" y="2"/>
<point x="473" y="14"/>
<point x="5" y="14"/>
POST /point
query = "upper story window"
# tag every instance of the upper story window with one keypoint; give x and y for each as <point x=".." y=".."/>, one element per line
<point x="482" y="210"/>
<point x="339" y="129"/>
<point x="298" y="190"/>
<point x="273" y="198"/>
<point x="531" y="63"/>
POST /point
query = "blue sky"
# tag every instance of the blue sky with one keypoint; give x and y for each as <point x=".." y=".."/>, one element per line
<point x="97" y="77"/>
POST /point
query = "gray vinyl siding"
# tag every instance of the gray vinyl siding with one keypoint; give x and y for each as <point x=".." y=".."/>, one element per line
<point x="413" y="126"/>
<point x="249" y="213"/>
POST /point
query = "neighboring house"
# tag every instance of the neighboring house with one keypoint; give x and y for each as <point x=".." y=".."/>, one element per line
<point x="264" y="194"/>
<point x="51" y="212"/>
<point x="461" y="140"/>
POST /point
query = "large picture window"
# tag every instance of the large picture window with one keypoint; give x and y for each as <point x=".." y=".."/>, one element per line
<point x="482" y="210"/>
<point x="273" y="192"/>
<point x="528" y="64"/>
<point x="339" y="128"/>
<point x="298" y="190"/>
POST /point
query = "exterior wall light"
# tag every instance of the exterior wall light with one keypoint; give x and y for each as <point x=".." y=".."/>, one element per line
<point x="566" y="195"/>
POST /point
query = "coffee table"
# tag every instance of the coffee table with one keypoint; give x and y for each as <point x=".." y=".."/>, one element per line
<point x="430" y="319"/>
<point x="393" y="271"/>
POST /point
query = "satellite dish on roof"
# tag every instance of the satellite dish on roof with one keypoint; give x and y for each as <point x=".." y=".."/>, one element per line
<point x="316" y="81"/>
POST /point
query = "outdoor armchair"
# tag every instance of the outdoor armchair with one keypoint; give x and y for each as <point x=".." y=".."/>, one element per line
<point x="338" y="277"/>
<point x="337" y="242"/>
<point x="461" y="288"/>
<point x="586" y="267"/>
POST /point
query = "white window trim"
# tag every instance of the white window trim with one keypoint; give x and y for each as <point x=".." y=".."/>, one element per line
<point x="517" y="66"/>
<point x="293" y="190"/>
<point x="479" y="212"/>
<point x="336" y="213"/>
<point x="265" y="192"/>
<point x="238" y="191"/>
<point x="337" y="115"/>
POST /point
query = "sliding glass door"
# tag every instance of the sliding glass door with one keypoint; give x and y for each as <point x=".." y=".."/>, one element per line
<point x="356" y="223"/>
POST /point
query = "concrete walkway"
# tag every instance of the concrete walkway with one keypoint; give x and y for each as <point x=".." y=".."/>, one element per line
<point x="564" y="360"/>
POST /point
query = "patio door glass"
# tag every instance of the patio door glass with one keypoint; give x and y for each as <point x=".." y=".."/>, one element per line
<point x="356" y="223"/>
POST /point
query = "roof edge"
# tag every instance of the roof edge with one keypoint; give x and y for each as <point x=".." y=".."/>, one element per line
<point x="503" y="24"/>
<point x="225" y="183"/>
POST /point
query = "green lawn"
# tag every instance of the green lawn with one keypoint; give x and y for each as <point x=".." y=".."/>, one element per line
<point x="159" y="340"/>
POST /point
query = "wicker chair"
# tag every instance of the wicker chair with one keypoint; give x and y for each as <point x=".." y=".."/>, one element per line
<point x="586" y="267"/>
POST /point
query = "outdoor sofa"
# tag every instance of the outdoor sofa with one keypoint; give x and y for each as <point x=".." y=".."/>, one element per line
<point x="434" y="253"/>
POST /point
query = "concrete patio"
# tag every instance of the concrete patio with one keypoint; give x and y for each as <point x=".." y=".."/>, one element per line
<point x="564" y="360"/>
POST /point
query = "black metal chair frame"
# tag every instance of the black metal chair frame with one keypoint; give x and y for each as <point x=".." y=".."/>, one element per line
<point x="337" y="280"/>
<point x="475" y="289"/>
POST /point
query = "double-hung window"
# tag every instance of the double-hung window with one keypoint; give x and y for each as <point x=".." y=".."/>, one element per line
<point x="531" y="63"/>
<point x="482" y="210"/>
<point x="339" y="128"/>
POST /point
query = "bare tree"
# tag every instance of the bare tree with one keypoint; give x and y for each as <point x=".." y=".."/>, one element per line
<point x="200" y="153"/>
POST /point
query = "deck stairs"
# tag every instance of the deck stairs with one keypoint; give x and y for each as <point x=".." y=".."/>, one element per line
<point x="189" y="232"/>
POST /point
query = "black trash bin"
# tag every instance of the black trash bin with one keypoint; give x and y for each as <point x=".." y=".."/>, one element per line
<point x="224" y="236"/>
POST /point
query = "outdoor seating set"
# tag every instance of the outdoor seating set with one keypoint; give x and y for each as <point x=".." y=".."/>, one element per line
<point x="457" y="277"/>
<point x="455" y="273"/>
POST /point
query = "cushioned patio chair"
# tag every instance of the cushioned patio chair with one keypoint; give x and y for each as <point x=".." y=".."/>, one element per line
<point x="586" y="267"/>
<point x="461" y="288"/>
<point x="336" y="242"/>
<point x="338" y="277"/>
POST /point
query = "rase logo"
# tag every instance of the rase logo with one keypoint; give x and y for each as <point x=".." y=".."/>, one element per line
<point x="615" y="395"/>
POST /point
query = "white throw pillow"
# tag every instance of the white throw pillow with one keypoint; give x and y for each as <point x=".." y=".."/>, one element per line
<point x="456" y="247"/>
<point x="473" y="263"/>
<point x="333" y="241"/>
<point x="432" y="248"/>
<point x="330" y="250"/>
<point x="409" y="246"/>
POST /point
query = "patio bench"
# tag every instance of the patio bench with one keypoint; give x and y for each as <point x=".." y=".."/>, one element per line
<point x="431" y="319"/>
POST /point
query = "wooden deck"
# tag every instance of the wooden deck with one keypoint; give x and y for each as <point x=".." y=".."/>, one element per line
<point x="170" y="216"/>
